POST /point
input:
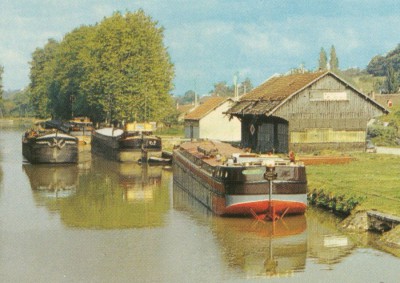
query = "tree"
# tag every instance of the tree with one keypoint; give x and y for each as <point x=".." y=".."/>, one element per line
<point x="41" y="78"/>
<point x="118" y="69"/>
<point x="188" y="97"/>
<point x="323" y="60"/>
<point x="66" y="98"/>
<point x="391" y="81"/>
<point x="245" y="86"/>
<point x="128" y="72"/>
<point x="333" y="60"/>
<point x="376" y="66"/>
<point x="222" y="89"/>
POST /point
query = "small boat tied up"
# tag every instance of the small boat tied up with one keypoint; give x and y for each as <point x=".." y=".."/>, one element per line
<point x="233" y="182"/>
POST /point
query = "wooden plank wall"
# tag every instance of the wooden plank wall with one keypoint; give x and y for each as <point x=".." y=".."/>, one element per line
<point x="315" y="121"/>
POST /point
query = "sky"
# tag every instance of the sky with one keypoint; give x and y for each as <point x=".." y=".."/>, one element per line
<point x="210" y="41"/>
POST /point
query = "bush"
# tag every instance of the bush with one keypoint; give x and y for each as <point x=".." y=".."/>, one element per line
<point x="383" y="135"/>
<point x="339" y="205"/>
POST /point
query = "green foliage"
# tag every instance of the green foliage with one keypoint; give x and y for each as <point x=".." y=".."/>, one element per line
<point x="376" y="66"/>
<point x="385" y="131"/>
<point x="339" y="204"/>
<point x="41" y="76"/>
<point x="370" y="177"/>
<point x="16" y="105"/>
<point x="323" y="60"/>
<point x="383" y="135"/>
<point x="392" y="80"/>
<point x="187" y="98"/>
<point x="118" y="69"/>
<point x="224" y="90"/>
<point x="361" y="80"/>
<point x="387" y="66"/>
<point x="333" y="60"/>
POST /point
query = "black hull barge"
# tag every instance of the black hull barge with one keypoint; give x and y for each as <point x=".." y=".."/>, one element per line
<point x="123" y="146"/>
<point x="231" y="182"/>
<point x="49" y="147"/>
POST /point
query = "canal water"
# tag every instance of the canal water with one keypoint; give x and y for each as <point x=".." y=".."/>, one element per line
<point x="103" y="221"/>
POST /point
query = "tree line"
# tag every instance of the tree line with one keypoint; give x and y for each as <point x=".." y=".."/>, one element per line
<point x="117" y="69"/>
<point x="332" y="64"/>
<point x="387" y="66"/>
<point x="220" y="89"/>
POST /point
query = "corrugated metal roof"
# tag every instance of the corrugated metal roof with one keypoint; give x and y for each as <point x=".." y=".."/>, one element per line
<point x="205" y="108"/>
<point x="271" y="93"/>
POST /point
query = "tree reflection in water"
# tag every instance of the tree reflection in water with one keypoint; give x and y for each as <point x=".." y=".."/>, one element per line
<point x="109" y="195"/>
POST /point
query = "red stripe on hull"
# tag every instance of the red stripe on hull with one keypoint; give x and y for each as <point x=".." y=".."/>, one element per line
<point x="263" y="207"/>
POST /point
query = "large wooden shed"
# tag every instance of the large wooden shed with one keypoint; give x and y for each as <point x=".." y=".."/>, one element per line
<point x="305" y="112"/>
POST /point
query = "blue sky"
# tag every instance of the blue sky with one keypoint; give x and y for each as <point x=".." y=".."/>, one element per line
<point x="210" y="41"/>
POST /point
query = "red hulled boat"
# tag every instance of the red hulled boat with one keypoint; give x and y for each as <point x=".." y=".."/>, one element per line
<point x="232" y="182"/>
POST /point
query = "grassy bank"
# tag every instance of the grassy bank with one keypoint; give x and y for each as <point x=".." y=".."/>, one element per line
<point x="372" y="177"/>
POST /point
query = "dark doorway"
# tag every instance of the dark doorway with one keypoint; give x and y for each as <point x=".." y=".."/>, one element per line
<point x="266" y="134"/>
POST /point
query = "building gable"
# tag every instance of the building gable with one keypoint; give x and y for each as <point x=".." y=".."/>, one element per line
<point x="314" y="111"/>
<point x="203" y="109"/>
<point x="274" y="93"/>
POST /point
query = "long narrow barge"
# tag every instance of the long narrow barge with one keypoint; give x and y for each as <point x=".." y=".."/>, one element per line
<point x="124" y="146"/>
<point x="232" y="182"/>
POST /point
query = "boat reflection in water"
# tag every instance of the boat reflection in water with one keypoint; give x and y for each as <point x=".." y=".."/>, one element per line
<point x="52" y="180"/>
<point x="327" y="245"/>
<point x="257" y="248"/>
<point x="140" y="182"/>
<point x="272" y="249"/>
<point x="108" y="195"/>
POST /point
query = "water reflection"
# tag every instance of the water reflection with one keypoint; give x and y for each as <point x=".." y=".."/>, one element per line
<point x="327" y="245"/>
<point x="257" y="248"/>
<point x="51" y="180"/>
<point x="139" y="182"/>
<point x="266" y="249"/>
<point x="1" y="178"/>
<point x="106" y="195"/>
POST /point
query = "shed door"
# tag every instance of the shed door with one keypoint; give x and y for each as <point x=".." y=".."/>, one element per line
<point x="265" y="139"/>
<point x="283" y="136"/>
<point x="273" y="137"/>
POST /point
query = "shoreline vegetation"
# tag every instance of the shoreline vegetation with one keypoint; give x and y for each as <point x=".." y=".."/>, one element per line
<point x="369" y="182"/>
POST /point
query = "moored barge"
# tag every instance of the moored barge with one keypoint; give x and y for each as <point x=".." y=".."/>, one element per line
<point x="127" y="145"/>
<point x="80" y="127"/>
<point x="232" y="182"/>
<point x="49" y="147"/>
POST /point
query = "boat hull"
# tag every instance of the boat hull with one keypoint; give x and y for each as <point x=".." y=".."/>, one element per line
<point x="241" y="190"/>
<point x="120" y="147"/>
<point x="266" y="207"/>
<point x="53" y="148"/>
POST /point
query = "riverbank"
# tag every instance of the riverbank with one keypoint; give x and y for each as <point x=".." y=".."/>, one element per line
<point x="373" y="180"/>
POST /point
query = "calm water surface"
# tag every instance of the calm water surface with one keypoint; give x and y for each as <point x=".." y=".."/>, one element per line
<point x="102" y="221"/>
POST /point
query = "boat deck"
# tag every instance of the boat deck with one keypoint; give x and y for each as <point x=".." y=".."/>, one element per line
<point x="208" y="150"/>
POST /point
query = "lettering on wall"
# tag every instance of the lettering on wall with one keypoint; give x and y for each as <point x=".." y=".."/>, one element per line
<point x="329" y="96"/>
